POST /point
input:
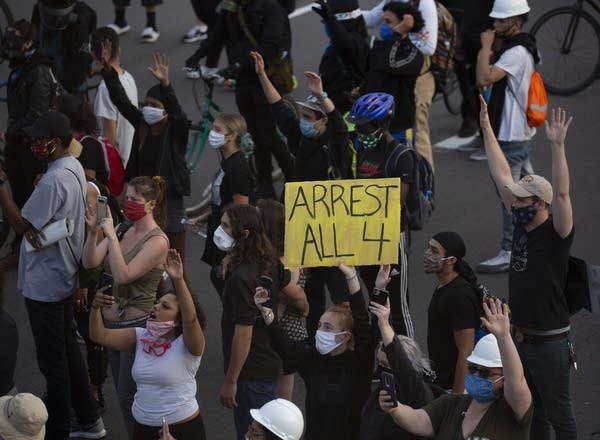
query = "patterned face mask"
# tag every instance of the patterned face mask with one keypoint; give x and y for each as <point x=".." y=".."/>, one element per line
<point x="523" y="214"/>
<point x="370" y="140"/>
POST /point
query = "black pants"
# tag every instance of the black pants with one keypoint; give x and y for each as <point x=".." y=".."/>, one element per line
<point x="465" y="71"/>
<point x="316" y="280"/>
<point x="253" y="106"/>
<point x="61" y="364"/>
<point x="190" y="430"/>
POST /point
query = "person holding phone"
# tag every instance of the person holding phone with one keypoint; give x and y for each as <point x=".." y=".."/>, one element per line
<point x="136" y="263"/>
<point x="167" y="355"/>
<point x="498" y="403"/>
<point x="337" y="369"/>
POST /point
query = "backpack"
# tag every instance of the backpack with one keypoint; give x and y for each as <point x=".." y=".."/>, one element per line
<point x="113" y="162"/>
<point x="577" y="291"/>
<point x="537" y="101"/>
<point x="420" y="202"/>
<point x="443" y="58"/>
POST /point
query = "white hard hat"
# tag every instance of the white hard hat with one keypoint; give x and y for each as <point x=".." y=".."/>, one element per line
<point x="509" y="8"/>
<point x="281" y="417"/>
<point x="486" y="353"/>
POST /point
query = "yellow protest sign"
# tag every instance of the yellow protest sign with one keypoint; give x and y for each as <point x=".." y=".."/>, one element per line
<point x="354" y="220"/>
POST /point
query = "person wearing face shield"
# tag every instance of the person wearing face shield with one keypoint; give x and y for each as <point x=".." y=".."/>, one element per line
<point x="337" y="367"/>
<point x="65" y="27"/>
<point x="538" y="273"/>
<point x="454" y="309"/>
<point x="372" y="115"/>
<point x="498" y="402"/>
<point x="394" y="63"/>
<point x="160" y="138"/>
<point x="29" y="94"/>
<point x="318" y="138"/>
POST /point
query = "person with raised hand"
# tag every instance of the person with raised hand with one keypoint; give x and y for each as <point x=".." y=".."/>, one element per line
<point x="498" y="403"/>
<point x="167" y="356"/>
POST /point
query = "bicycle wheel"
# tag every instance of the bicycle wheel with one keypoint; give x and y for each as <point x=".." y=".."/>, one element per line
<point x="451" y="93"/>
<point x="568" y="40"/>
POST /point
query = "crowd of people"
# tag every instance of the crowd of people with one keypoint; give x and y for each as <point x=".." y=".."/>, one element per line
<point x="94" y="192"/>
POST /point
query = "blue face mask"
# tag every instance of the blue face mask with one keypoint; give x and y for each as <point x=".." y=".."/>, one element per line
<point x="480" y="389"/>
<point x="385" y="31"/>
<point x="523" y="214"/>
<point x="308" y="129"/>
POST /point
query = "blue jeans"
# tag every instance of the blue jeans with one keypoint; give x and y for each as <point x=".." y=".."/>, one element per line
<point x="250" y="395"/>
<point x="517" y="156"/>
<point x="61" y="362"/>
<point x="547" y="370"/>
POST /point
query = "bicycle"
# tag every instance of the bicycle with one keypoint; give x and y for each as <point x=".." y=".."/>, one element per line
<point x="568" y="38"/>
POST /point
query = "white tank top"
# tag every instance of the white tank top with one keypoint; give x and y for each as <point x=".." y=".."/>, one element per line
<point x="166" y="385"/>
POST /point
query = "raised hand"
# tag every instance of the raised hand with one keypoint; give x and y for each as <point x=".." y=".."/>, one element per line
<point x="484" y="117"/>
<point x="108" y="227"/>
<point x="173" y="265"/>
<point x="496" y="318"/>
<point x="557" y="127"/>
<point x="487" y="38"/>
<point x="160" y="71"/>
<point x="348" y="271"/>
<point x="313" y="83"/>
<point x="383" y="276"/>
<point x="322" y="8"/>
<point x="259" y="63"/>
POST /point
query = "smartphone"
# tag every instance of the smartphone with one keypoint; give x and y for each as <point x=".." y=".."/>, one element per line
<point x="379" y="296"/>
<point x="266" y="283"/>
<point x="106" y="279"/>
<point x="388" y="383"/>
<point x="101" y="207"/>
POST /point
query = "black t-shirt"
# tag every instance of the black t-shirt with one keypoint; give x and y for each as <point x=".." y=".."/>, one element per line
<point x="9" y="343"/>
<point x="537" y="277"/>
<point x="454" y="306"/>
<point x="371" y="165"/>
<point x="233" y="178"/>
<point x="92" y="158"/>
<point x="263" y="363"/>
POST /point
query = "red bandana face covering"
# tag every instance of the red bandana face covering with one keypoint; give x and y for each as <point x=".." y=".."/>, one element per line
<point x="152" y="346"/>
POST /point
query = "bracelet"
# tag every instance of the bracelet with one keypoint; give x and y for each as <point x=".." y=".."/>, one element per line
<point x="351" y="278"/>
<point x="323" y="97"/>
<point x="378" y="291"/>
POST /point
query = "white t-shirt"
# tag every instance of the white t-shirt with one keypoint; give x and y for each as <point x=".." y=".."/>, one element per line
<point x="518" y="63"/>
<point x="105" y="109"/>
<point x="166" y="385"/>
<point x="426" y="39"/>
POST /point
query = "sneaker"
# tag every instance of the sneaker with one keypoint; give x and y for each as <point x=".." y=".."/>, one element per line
<point x="120" y="30"/>
<point x="94" y="431"/>
<point x="195" y="34"/>
<point x="478" y="156"/>
<point x="473" y="145"/>
<point x="497" y="264"/>
<point x="149" y="35"/>
<point x="468" y="128"/>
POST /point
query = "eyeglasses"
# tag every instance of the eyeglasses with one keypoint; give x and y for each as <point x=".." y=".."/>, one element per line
<point x="482" y="372"/>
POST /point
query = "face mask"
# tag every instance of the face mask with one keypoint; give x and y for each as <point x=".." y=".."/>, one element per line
<point x="159" y="328"/>
<point x="135" y="211"/>
<point x="386" y="31"/>
<point x="12" y="45"/>
<point x="480" y="389"/>
<point x="325" y="341"/>
<point x="152" y="115"/>
<point x="216" y="140"/>
<point x="523" y="214"/>
<point x="43" y="151"/>
<point x="308" y="129"/>
<point x="431" y="263"/>
<point x="370" y="140"/>
<point x="223" y="240"/>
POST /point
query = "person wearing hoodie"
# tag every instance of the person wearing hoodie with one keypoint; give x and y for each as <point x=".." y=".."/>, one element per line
<point x="159" y="141"/>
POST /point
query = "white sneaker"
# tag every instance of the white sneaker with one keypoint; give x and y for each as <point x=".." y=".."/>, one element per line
<point x="94" y="431"/>
<point x="149" y="35"/>
<point x="196" y="33"/>
<point x="478" y="156"/>
<point x="498" y="264"/>
<point x="118" y="29"/>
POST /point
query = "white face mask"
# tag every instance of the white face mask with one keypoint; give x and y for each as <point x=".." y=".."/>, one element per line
<point x="325" y="341"/>
<point x="152" y="115"/>
<point x="216" y="140"/>
<point x="223" y="240"/>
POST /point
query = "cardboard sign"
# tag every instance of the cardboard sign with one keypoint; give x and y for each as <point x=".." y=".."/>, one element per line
<point x="354" y="220"/>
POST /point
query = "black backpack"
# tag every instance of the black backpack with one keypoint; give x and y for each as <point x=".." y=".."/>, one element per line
<point x="420" y="202"/>
<point x="577" y="290"/>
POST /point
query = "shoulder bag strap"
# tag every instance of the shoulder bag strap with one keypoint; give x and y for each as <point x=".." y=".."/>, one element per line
<point x="245" y="28"/>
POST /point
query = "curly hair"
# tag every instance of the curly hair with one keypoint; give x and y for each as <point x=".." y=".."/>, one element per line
<point x="251" y="243"/>
<point x="153" y="188"/>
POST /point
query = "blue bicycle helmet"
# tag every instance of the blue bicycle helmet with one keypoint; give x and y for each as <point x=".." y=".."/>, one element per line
<point x="372" y="107"/>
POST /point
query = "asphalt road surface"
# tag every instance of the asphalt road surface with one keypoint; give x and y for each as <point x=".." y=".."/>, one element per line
<point x="465" y="195"/>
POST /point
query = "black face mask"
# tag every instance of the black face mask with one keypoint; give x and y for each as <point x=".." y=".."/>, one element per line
<point x="12" y="45"/>
<point x="57" y="19"/>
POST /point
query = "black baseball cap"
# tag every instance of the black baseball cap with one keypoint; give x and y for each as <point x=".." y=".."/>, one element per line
<point x="50" y="124"/>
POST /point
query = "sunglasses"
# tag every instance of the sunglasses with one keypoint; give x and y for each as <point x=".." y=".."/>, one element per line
<point x="482" y="372"/>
